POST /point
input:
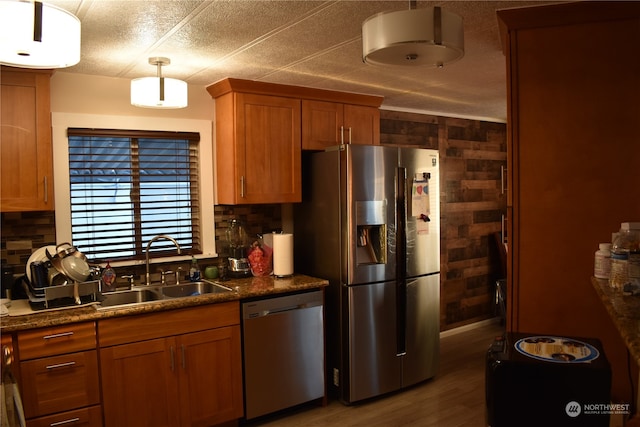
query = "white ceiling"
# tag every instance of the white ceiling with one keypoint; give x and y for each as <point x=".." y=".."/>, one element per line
<point x="305" y="43"/>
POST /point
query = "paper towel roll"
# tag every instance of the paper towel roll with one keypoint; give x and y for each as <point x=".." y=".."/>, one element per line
<point x="283" y="254"/>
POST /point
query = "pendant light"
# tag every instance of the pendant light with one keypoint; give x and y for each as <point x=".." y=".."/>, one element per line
<point x="159" y="92"/>
<point x="38" y="35"/>
<point x="428" y="37"/>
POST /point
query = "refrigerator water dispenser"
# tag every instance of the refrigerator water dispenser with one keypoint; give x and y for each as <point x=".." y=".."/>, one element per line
<point x="371" y="247"/>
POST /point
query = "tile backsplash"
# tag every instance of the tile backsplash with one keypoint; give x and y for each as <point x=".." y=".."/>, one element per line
<point x="22" y="233"/>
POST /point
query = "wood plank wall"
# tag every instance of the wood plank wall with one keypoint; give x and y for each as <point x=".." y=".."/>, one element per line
<point x="471" y="155"/>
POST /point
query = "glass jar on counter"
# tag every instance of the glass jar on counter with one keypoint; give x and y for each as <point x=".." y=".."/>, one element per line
<point x="260" y="257"/>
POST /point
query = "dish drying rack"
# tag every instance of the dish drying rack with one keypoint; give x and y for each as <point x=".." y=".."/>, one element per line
<point x="70" y="294"/>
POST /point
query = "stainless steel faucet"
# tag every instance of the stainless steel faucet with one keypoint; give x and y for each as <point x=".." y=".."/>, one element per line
<point x="158" y="237"/>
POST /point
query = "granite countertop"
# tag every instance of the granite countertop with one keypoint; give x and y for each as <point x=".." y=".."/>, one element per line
<point x="625" y="313"/>
<point x="246" y="288"/>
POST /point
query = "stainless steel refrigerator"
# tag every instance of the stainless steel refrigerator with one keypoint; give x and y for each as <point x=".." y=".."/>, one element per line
<point x="369" y="222"/>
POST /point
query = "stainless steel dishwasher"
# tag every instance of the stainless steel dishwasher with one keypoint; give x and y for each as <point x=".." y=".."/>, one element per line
<point x="283" y="352"/>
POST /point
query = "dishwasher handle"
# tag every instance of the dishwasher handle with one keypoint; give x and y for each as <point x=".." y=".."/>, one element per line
<point x="273" y="311"/>
<point x="273" y="306"/>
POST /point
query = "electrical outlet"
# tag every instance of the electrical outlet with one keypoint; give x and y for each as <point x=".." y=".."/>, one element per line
<point x="336" y="377"/>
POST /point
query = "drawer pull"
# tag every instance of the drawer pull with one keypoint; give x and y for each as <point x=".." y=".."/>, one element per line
<point x="69" y="421"/>
<point x="61" y="335"/>
<point x="60" y="365"/>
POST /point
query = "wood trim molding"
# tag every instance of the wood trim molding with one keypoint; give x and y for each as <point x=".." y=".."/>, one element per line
<point x="301" y="92"/>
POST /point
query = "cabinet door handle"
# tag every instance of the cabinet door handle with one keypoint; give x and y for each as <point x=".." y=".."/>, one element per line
<point x="242" y="186"/>
<point x="503" y="185"/>
<point x="349" y="134"/>
<point x="60" y="365"/>
<point x="184" y="360"/>
<point x="342" y="135"/>
<point x="60" y="335"/>
<point x="503" y="221"/>
<point x="61" y="423"/>
<point x="172" y="355"/>
<point x="46" y="189"/>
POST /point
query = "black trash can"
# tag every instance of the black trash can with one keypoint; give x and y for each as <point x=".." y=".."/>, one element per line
<point x="543" y="380"/>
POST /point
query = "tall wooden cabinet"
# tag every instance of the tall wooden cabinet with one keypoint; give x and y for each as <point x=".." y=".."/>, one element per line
<point x="26" y="155"/>
<point x="573" y="162"/>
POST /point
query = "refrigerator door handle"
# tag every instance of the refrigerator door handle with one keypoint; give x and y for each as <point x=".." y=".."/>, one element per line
<point x="401" y="264"/>
<point x="401" y="321"/>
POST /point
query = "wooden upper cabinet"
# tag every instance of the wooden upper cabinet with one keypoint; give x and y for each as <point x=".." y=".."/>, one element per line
<point x="362" y="124"/>
<point x="26" y="154"/>
<point x="258" y="152"/>
<point x="262" y="128"/>
<point x="330" y="123"/>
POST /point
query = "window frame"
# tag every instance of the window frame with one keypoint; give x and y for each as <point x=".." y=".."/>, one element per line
<point x="62" y="121"/>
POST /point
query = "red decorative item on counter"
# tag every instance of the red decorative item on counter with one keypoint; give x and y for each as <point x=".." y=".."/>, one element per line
<point x="260" y="258"/>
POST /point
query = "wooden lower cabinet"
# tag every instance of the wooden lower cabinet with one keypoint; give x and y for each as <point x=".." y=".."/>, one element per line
<point x="139" y="384"/>
<point x="210" y="380"/>
<point x="58" y="383"/>
<point x="188" y="379"/>
<point x="59" y="375"/>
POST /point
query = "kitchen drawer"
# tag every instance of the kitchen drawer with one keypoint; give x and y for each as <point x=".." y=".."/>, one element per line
<point x="60" y="383"/>
<point x="85" y="417"/>
<point x="57" y="340"/>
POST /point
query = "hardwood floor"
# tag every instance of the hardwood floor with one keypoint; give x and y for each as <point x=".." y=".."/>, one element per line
<point x="454" y="398"/>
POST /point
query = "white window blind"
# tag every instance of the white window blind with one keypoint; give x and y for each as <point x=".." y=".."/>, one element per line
<point x="128" y="186"/>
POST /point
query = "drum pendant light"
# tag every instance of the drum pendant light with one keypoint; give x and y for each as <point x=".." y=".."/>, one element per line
<point x="429" y="37"/>
<point x="159" y="92"/>
<point x="37" y="35"/>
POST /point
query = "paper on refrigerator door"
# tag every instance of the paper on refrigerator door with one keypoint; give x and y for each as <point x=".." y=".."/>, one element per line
<point x="420" y="206"/>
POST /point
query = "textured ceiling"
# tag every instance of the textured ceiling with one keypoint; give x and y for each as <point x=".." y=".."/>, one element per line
<point x="306" y="43"/>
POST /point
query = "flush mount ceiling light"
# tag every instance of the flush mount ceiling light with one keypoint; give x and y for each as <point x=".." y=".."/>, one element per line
<point x="158" y="92"/>
<point x="428" y="37"/>
<point x="37" y="35"/>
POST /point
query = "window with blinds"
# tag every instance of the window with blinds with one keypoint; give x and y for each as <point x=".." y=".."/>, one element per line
<point x="129" y="186"/>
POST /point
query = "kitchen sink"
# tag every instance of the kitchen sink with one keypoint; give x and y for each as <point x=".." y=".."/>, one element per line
<point x="193" y="289"/>
<point x="129" y="297"/>
<point x="159" y="292"/>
